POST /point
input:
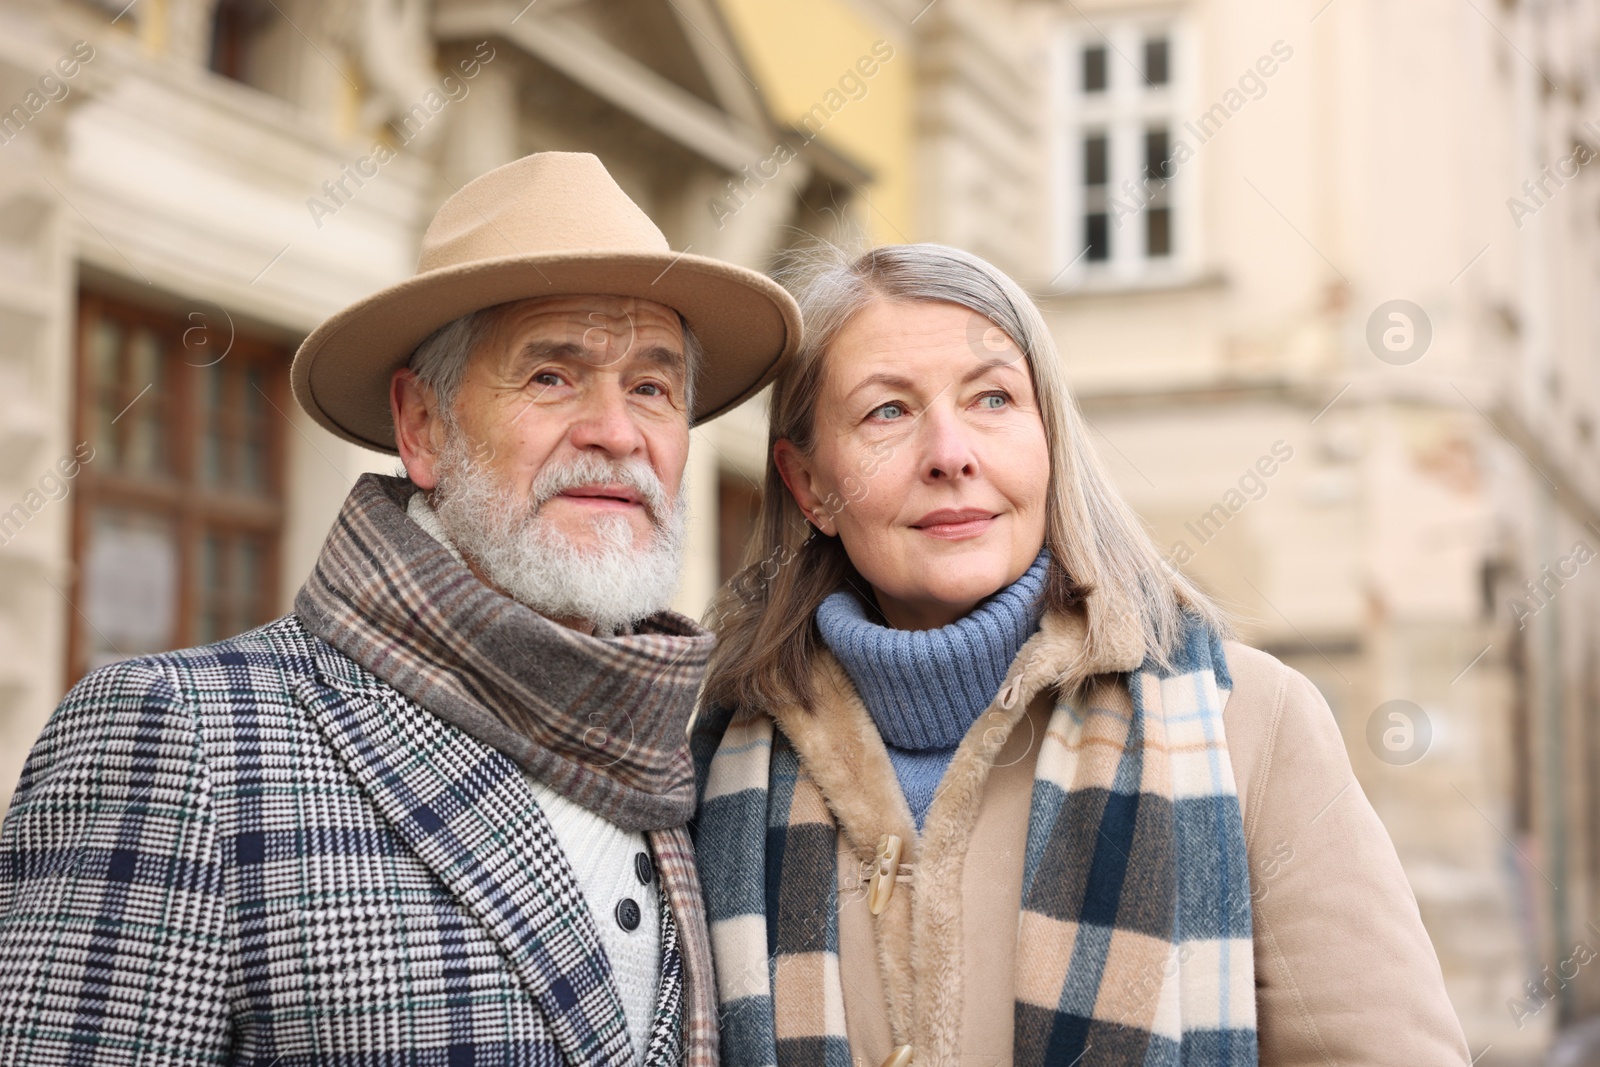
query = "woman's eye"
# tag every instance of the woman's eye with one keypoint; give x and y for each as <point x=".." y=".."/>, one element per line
<point x="889" y="411"/>
<point x="993" y="400"/>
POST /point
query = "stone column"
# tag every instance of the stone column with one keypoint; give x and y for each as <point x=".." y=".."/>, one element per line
<point x="36" y="379"/>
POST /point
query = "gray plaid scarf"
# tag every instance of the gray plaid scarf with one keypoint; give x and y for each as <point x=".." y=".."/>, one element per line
<point x="601" y="720"/>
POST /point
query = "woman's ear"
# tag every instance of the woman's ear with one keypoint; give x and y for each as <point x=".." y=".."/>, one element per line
<point x="795" y="469"/>
<point x="417" y="429"/>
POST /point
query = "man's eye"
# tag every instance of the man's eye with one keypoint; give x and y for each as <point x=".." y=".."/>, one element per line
<point x="652" y="387"/>
<point x="547" y="377"/>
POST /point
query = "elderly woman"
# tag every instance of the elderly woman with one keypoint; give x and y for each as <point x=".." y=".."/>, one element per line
<point x="983" y="780"/>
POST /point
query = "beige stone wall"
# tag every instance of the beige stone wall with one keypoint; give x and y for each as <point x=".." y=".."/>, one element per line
<point x="36" y="298"/>
<point x="1372" y="169"/>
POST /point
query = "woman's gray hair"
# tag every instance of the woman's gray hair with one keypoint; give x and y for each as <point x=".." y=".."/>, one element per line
<point x="440" y="361"/>
<point x="1102" y="557"/>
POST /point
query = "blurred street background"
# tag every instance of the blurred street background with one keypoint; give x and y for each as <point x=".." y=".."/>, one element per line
<point x="1325" y="275"/>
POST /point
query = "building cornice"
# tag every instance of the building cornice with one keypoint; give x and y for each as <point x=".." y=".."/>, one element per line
<point x="618" y="79"/>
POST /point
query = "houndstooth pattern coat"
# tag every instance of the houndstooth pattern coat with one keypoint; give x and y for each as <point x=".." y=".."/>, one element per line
<point x="256" y="852"/>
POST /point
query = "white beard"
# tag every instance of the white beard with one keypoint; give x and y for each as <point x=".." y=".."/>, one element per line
<point x="613" y="584"/>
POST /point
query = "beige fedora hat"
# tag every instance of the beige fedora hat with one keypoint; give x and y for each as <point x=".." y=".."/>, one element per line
<point x="549" y="224"/>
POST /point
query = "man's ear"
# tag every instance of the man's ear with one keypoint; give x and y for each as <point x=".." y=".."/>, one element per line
<point x="418" y="430"/>
<point x="795" y="469"/>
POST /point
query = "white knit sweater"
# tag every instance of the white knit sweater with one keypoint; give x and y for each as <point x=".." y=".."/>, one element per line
<point x="602" y="856"/>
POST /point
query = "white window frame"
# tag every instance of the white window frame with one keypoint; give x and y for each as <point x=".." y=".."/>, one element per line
<point x="1124" y="109"/>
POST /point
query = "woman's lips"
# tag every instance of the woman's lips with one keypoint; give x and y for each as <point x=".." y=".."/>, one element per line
<point x="952" y="524"/>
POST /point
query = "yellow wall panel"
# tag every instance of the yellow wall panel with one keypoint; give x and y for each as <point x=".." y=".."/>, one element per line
<point x="842" y="78"/>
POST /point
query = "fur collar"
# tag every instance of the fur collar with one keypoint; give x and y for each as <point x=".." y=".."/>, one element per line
<point x="843" y="751"/>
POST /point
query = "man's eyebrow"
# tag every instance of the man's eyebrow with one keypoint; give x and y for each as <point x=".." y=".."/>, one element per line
<point x="544" y="349"/>
<point x="662" y="356"/>
<point x="658" y="354"/>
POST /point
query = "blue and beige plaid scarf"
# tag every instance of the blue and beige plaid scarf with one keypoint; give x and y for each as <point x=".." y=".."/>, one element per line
<point x="1134" y="939"/>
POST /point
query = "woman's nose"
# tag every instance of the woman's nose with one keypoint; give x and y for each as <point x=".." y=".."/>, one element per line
<point x="947" y="449"/>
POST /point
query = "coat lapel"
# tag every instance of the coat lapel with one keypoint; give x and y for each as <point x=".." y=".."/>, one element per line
<point x="466" y="812"/>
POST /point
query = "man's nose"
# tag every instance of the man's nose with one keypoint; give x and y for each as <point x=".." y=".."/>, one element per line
<point x="605" y="423"/>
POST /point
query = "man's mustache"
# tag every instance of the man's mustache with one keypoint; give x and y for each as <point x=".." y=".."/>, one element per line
<point x="560" y="475"/>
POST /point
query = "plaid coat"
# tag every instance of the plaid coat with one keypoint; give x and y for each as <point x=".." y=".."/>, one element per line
<point x="258" y="853"/>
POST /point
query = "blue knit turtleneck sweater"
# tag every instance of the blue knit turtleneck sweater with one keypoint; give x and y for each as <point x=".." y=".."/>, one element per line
<point x="925" y="688"/>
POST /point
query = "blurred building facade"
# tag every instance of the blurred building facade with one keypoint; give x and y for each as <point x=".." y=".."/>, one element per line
<point x="1323" y="277"/>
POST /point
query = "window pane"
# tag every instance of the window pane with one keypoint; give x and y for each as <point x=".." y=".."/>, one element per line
<point x="1096" y="165"/>
<point x="228" y="594"/>
<point x="1158" y="231"/>
<point x="1094" y="69"/>
<point x="144" y="358"/>
<point x="209" y="591"/>
<point x="1097" y="235"/>
<point x="235" y="27"/>
<point x="1096" y="173"/>
<point x="247" y="584"/>
<point x="252" y="460"/>
<point x="145" y="434"/>
<point x="1155" y="61"/>
<point x="1157" y="150"/>
<point x="738" y="509"/>
<point x="130" y="576"/>
<point x="212" y="416"/>
<point x="105" y="362"/>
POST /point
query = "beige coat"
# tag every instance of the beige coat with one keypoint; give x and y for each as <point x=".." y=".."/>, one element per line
<point x="1345" y="973"/>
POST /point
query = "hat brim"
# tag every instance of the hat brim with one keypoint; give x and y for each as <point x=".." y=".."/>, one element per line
<point x="747" y="324"/>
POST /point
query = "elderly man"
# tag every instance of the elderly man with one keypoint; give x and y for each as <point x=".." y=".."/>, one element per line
<point x="436" y="814"/>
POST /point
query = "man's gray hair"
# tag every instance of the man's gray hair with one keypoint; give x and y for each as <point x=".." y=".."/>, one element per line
<point x="440" y="361"/>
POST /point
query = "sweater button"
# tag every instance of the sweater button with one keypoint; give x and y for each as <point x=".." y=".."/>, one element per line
<point x="628" y="914"/>
<point x="900" y="1057"/>
<point x="643" y="867"/>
